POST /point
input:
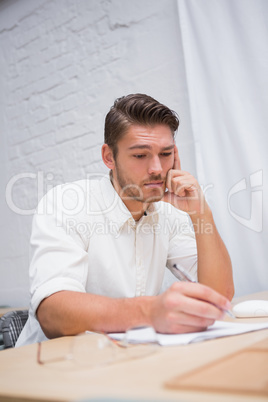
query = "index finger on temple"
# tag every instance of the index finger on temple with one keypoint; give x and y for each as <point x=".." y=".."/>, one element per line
<point x="177" y="162"/>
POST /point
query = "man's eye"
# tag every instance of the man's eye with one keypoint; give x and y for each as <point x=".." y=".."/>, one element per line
<point x="139" y="156"/>
<point x="166" y="153"/>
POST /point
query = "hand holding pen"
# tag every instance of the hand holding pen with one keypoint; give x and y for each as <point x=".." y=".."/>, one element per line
<point x="186" y="307"/>
<point x="183" y="275"/>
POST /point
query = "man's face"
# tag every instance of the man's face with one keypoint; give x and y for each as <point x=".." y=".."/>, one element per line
<point x="145" y="155"/>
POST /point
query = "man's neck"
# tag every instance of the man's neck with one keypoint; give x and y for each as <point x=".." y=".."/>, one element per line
<point x="135" y="207"/>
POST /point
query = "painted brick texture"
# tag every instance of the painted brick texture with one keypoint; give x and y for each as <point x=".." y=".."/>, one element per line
<point x="63" y="62"/>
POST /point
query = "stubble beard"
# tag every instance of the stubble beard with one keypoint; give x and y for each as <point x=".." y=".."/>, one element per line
<point x="131" y="190"/>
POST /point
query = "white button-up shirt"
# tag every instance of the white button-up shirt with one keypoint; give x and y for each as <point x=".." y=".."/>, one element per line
<point x="84" y="239"/>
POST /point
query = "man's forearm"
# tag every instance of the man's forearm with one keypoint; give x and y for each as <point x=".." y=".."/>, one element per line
<point x="184" y="307"/>
<point x="214" y="263"/>
<point x="70" y="313"/>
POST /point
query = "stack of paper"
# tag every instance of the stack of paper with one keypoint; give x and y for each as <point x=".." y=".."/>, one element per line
<point x="217" y="330"/>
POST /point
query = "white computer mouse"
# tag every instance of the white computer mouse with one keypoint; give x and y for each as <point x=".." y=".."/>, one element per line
<point x="251" y="308"/>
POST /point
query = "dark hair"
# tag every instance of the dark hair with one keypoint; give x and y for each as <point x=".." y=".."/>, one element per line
<point x="136" y="109"/>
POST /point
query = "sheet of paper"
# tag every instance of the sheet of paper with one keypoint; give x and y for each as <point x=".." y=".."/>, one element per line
<point x="217" y="330"/>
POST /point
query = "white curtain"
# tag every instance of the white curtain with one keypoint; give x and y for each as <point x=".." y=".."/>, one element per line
<point x="225" y="45"/>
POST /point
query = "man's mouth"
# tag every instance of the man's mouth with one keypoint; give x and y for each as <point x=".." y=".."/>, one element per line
<point x="154" y="184"/>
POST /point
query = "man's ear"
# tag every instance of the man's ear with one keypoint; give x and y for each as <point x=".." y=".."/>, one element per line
<point x="107" y="156"/>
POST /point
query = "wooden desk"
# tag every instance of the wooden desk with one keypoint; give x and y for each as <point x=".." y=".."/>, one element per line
<point x="22" y="379"/>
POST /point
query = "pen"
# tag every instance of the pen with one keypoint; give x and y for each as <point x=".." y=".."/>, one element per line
<point x="183" y="275"/>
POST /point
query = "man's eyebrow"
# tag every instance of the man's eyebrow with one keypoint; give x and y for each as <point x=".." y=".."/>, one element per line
<point x="140" y="146"/>
<point x="168" y="148"/>
<point x="146" y="146"/>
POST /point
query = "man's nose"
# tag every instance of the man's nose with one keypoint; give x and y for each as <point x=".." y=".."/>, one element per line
<point x="155" y="166"/>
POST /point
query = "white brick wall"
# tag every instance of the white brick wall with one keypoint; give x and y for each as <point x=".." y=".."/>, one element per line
<point x="63" y="62"/>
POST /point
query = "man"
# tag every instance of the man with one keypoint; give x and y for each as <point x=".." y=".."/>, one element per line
<point x="100" y="247"/>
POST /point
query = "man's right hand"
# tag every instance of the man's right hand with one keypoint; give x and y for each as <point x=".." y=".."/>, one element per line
<point x="187" y="307"/>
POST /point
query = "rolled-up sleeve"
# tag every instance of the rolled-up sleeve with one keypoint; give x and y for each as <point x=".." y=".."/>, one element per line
<point x="59" y="258"/>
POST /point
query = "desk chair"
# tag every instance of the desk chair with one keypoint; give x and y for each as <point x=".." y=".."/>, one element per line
<point x="11" y="325"/>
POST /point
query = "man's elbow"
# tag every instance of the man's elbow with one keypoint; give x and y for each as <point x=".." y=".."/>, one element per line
<point x="49" y="323"/>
